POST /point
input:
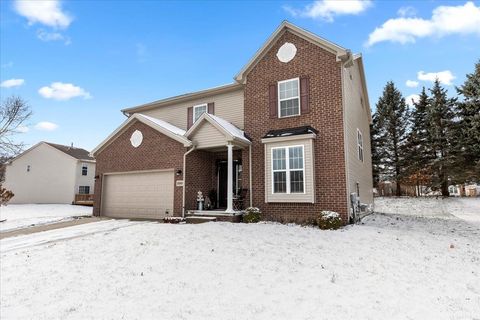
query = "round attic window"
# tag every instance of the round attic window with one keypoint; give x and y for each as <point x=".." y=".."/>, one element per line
<point x="136" y="138"/>
<point x="286" y="52"/>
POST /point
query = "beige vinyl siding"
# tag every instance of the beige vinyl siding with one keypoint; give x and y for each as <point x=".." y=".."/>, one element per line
<point x="356" y="117"/>
<point x="207" y="136"/>
<point x="146" y="195"/>
<point x="228" y="106"/>
<point x="309" y="195"/>
<point x="51" y="178"/>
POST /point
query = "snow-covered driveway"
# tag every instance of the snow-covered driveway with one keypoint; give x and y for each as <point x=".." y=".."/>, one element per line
<point x="390" y="267"/>
<point x="26" y="215"/>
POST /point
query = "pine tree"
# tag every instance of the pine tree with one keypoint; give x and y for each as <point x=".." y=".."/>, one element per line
<point x="389" y="134"/>
<point x="468" y="127"/>
<point x="417" y="148"/>
<point x="440" y="117"/>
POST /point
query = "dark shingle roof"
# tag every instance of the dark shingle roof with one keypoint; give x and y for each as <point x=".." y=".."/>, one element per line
<point x="290" y="132"/>
<point x="77" y="153"/>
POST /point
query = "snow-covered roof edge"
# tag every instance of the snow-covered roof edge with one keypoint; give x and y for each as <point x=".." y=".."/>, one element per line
<point x="222" y="125"/>
<point x="162" y="126"/>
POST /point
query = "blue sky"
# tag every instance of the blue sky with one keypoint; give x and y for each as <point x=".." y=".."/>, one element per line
<point x="83" y="61"/>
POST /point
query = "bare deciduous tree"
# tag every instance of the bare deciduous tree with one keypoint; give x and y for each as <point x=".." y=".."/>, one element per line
<point x="14" y="111"/>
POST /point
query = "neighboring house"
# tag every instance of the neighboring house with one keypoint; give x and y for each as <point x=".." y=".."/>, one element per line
<point x="291" y="134"/>
<point x="50" y="173"/>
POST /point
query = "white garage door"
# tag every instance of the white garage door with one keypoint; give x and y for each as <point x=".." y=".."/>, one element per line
<point x="138" y="195"/>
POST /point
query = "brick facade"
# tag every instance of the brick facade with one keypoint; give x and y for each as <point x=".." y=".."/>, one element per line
<point x="326" y="115"/>
<point x="157" y="151"/>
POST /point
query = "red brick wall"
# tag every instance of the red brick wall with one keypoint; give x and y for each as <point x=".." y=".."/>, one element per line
<point x="325" y="115"/>
<point x="157" y="151"/>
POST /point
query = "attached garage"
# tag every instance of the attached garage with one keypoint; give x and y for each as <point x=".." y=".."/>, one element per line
<point x="141" y="194"/>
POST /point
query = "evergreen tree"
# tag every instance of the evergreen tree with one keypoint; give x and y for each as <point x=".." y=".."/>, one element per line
<point x="468" y="128"/>
<point x="389" y="135"/>
<point x="418" y="147"/>
<point x="440" y="128"/>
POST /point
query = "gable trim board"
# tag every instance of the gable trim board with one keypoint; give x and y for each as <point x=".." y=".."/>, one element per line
<point x="161" y="126"/>
<point x="341" y="53"/>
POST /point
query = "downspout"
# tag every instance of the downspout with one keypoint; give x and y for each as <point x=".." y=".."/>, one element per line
<point x="250" y="193"/>
<point x="346" y="61"/>
<point x="184" y="177"/>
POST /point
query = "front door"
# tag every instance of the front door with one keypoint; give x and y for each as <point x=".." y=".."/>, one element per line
<point x="223" y="178"/>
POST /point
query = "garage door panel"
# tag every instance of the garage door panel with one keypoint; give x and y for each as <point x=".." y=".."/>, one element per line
<point x="138" y="195"/>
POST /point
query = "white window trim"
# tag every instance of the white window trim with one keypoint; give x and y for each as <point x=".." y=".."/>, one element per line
<point x="198" y="106"/>
<point x="280" y="100"/>
<point x="360" y="145"/>
<point x="287" y="168"/>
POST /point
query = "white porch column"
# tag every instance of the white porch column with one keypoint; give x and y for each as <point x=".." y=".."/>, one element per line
<point x="230" y="179"/>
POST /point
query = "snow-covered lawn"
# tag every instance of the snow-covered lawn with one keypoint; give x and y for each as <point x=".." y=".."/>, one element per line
<point x="467" y="209"/>
<point x="26" y="215"/>
<point x="389" y="267"/>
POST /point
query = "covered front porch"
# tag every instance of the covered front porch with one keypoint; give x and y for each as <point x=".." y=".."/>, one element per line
<point x="214" y="170"/>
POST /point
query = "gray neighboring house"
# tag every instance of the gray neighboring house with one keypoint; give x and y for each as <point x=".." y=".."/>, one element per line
<point x="51" y="173"/>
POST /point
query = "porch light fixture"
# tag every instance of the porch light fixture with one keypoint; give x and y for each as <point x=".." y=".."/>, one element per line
<point x="179" y="172"/>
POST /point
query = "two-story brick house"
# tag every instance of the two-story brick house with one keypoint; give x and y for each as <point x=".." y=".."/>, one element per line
<point x="290" y="136"/>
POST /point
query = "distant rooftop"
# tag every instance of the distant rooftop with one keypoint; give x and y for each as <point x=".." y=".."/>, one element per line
<point x="77" y="153"/>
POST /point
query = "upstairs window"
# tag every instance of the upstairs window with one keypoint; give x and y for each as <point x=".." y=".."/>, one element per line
<point x="360" y="145"/>
<point x="198" y="111"/>
<point x="84" y="169"/>
<point x="289" y="97"/>
<point x="288" y="170"/>
<point x="84" y="189"/>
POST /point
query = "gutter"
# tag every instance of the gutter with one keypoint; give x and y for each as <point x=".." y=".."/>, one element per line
<point x="184" y="177"/>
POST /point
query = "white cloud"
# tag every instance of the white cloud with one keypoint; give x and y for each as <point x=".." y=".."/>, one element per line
<point x="328" y="9"/>
<point x="407" y="11"/>
<point x="445" y="77"/>
<point x="46" y="12"/>
<point x="12" y="83"/>
<point x="63" y="91"/>
<point x="46" y="126"/>
<point x="22" y="129"/>
<point x="445" y="20"/>
<point x="409" y="100"/>
<point x="52" y="36"/>
<point x="411" y="84"/>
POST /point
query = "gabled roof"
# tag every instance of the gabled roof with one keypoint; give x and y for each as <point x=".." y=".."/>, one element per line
<point x="184" y="97"/>
<point x="161" y="126"/>
<point x="307" y="35"/>
<point x="231" y="131"/>
<point x="77" y="153"/>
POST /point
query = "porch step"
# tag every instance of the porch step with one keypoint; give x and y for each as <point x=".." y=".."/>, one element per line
<point x="196" y="220"/>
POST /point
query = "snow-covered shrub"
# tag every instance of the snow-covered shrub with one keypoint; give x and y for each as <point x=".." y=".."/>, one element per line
<point x="329" y="220"/>
<point x="252" y="215"/>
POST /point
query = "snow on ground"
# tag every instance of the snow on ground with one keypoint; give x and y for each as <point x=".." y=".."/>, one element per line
<point x="467" y="209"/>
<point x="388" y="267"/>
<point x="26" y="215"/>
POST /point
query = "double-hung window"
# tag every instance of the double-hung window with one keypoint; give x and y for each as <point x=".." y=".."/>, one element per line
<point x="360" y="145"/>
<point x="84" y="189"/>
<point x="198" y="111"/>
<point x="288" y="170"/>
<point x="84" y="169"/>
<point x="289" y="97"/>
